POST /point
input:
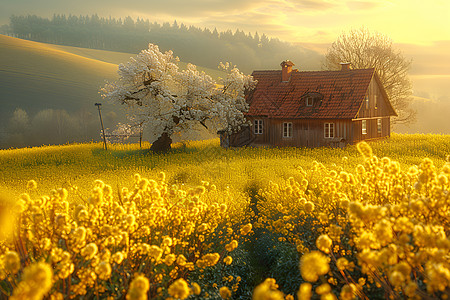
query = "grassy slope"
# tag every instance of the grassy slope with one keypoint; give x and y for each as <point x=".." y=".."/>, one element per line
<point x="55" y="166"/>
<point x="37" y="76"/>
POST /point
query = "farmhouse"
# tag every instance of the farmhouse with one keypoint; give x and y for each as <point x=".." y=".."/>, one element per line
<point x="289" y="108"/>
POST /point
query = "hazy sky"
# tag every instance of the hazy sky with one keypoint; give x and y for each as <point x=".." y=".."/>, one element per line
<point x="421" y="28"/>
<point x="405" y="21"/>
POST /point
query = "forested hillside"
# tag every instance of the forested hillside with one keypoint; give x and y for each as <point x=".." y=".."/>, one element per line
<point x="203" y="47"/>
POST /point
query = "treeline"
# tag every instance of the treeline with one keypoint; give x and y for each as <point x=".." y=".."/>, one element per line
<point x="202" y="47"/>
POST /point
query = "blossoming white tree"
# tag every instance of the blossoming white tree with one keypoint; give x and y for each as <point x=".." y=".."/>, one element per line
<point x="167" y="99"/>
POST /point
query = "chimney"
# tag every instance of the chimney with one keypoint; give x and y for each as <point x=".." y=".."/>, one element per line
<point x="345" y="66"/>
<point x="286" y="69"/>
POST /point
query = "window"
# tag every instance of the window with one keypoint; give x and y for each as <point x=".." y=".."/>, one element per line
<point x="287" y="130"/>
<point x="375" y="101"/>
<point x="258" y="128"/>
<point x="309" y="101"/>
<point x="364" y="126"/>
<point x="367" y="102"/>
<point x="379" y="126"/>
<point x="329" y="130"/>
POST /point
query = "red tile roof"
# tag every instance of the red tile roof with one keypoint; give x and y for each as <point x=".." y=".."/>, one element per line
<point x="343" y="93"/>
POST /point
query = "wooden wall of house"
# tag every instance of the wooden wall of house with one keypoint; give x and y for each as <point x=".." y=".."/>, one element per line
<point x="306" y="133"/>
<point x="371" y="129"/>
<point x="378" y="106"/>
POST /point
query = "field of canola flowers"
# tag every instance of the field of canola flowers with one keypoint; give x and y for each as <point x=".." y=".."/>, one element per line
<point x="206" y="222"/>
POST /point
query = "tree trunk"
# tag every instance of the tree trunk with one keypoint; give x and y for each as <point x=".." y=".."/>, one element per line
<point x="162" y="144"/>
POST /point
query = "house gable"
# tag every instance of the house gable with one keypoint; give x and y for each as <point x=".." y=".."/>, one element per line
<point x="376" y="102"/>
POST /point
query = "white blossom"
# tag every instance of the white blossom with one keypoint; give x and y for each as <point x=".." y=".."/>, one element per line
<point x="167" y="99"/>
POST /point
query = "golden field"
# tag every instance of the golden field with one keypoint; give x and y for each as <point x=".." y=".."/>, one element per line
<point x="368" y="222"/>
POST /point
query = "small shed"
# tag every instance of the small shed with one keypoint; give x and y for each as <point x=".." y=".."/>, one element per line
<point x="289" y="108"/>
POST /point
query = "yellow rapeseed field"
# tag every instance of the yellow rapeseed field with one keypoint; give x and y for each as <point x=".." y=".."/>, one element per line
<point x="370" y="221"/>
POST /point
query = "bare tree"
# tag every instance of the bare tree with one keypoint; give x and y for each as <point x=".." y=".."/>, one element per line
<point x="365" y="49"/>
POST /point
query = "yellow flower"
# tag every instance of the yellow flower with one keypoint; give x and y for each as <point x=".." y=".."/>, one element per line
<point x="342" y="264"/>
<point x="203" y="227"/>
<point x="223" y="208"/>
<point x="170" y="259"/>
<point x="364" y="149"/>
<point x="8" y="209"/>
<point x="11" y="262"/>
<point x="396" y="278"/>
<point x="324" y="243"/>
<point x="96" y="196"/>
<point x="155" y="252"/>
<point x="167" y="241"/>
<point x="403" y="268"/>
<point x="312" y="265"/>
<point x="117" y="257"/>
<point x="196" y="288"/>
<point x="31" y="185"/>
<point x="36" y="282"/>
<point x="246" y="229"/>
<point x="225" y="292"/>
<point x="304" y="292"/>
<point x="143" y="184"/>
<point x="162" y="176"/>
<point x="323" y="289"/>
<point x="328" y="296"/>
<point x="348" y="292"/>
<point x="309" y="207"/>
<point x="208" y="260"/>
<point x="179" y="289"/>
<point x="231" y="246"/>
<point x="103" y="270"/>
<point x="228" y="260"/>
<point x="383" y="232"/>
<point x="130" y="220"/>
<point x="268" y="290"/>
<point x="89" y="251"/>
<point x="410" y="289"/>
<point x="138" y="288"/>
<point x="181" y="260"/>
<point x="79" y="234"/>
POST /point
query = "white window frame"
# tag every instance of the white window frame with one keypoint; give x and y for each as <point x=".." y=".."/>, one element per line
<point x="379" y="125"/>
<point x="258" y="126"/>
<point x="364" y="126"/>
<point x="328" y="130"/>
<point x="309" y="101"/>
<point x="287" y="129"/>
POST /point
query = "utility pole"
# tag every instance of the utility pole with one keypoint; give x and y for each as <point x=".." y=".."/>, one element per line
<point x="101" y="122"/>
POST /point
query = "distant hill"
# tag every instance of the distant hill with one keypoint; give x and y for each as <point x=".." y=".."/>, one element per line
<point x="200" y="46"/>
<point x="47" y="92"/>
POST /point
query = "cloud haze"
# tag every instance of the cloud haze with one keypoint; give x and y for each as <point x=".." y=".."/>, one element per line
<point x="297" y="20"/>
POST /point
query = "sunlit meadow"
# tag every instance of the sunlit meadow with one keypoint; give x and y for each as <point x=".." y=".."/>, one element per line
<point x="367" y="222"/>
